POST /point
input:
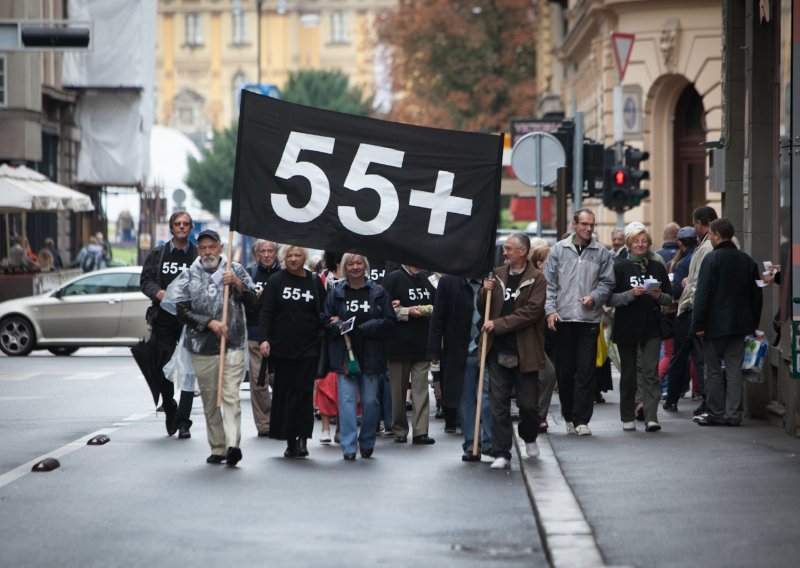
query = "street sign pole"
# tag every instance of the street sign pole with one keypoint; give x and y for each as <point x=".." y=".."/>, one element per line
<point x="538" y="150"/>
<point x="535" y="160"/>
<point x="577" y="163"/>
<point x="622" y="45"/>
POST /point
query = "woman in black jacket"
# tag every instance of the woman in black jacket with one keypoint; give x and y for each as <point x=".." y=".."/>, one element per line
<point x="368" y="305"/>
<point x="290" y="325"/>
<point x="642" y="287"/>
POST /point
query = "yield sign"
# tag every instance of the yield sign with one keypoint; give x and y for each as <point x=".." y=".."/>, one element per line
<point x="623" y="45"/>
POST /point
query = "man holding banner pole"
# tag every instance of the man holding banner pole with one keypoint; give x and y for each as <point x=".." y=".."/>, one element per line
<point x="514" y="339"/>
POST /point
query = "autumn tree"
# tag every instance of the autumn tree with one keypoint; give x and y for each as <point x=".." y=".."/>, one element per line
<point x="460" y="64"/>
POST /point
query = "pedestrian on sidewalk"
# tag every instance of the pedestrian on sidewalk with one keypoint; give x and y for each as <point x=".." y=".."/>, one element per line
<point x="453" y="343"/>
<point x="727" y="307"/>
<point x="580" y="277"/>
<point x="642" y="288"/>
<point x="290" y="325"/>
<point x="199" y="295"/>
<point x="547" y="378"/>
<point x="515" y="346"/>
<point x="368" y="305"/>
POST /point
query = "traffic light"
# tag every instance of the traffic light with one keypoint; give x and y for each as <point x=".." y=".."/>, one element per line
<point x="616" y="189"/>
<point x="566" y="135"/>
<point x="633" y="160"/>
<point x="593" y="168"/>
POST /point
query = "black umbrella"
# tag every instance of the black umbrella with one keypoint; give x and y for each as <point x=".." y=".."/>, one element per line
<point x="147" y="357"/>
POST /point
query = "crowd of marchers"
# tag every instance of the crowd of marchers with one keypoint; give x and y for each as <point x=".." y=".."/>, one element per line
<point x="354" y="340"/>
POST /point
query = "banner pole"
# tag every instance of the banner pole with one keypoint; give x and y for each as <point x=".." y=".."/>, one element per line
<point x="226" y="294"/>
<point x="482" y="368"/>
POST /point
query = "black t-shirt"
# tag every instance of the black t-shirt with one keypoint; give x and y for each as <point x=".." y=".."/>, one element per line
<point x="289" y="317"/>
<point x="173" y="262"/>
<point x="408" y="340"/>
<point x="356" y="303"/>
<point x="260" y="277"/>
<point x="507" y="342"/>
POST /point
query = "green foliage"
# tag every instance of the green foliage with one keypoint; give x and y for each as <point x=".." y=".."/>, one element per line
<point x="328" y="90"/>
<point x="211" y="177"/>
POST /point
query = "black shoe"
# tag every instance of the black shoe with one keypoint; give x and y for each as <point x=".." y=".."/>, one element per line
<point x="409" y="407"/>
<point x="704" y="420"/>
<point x="439" y="414"/>
<point x="468" y="456"/>
<point x="366" y="453"/>
<point x="599" y="399"/>
<point x="400" y="439"/>
<point x="670" y="407"/>
<point x="350" y="457"/>
<point x="302" y="448"/>
<point x="450" y="429"/>
<point x="171" y="410"/>
<point x="234" y="456"/>
<point x="291" y="449"/>
<point x="215" y="459"/>
<point x="700" y="409"/>
<point x="424" y="440"/>
<point x="183" y="432"/>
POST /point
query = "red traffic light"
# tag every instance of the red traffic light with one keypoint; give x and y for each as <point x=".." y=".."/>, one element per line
<point x="619" y="177"/>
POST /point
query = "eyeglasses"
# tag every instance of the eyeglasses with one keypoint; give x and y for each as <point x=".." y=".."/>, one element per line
<point x="587" y="225"/>
<point x="509" y="248"/>
<point x="181" y="224"/>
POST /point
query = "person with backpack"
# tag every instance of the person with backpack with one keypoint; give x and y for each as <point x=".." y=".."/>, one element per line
<point x="161" y="267"/>
<point x="91" y="256"/>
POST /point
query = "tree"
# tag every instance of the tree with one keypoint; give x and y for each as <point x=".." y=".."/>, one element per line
<point x="454" y="64"/>
<point x="211" y="177"/>
<point x="327" y="90"/>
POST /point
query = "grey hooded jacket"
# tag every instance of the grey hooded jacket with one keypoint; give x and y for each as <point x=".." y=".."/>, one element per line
<point x="571" y="276"/>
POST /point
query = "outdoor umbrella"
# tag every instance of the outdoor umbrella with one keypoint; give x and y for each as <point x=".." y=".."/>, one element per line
<point x="149" y="360"/>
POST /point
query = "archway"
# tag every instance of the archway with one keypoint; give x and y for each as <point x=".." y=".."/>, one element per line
<point x="689" y="158"/>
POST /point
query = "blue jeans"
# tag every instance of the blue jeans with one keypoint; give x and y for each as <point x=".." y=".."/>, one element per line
<point x="349" y="390"/>
<point x="469" y="401"/>
<point x="385" y="401"/>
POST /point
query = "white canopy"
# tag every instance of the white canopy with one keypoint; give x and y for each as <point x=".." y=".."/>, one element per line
<point x="24" y="189"/>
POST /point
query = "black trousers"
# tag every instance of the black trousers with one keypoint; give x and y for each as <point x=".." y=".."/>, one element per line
<point x="576" y="351"/>
<point x="165" y="336"/>
<point x="292" y="413"/>
<point x="502" y="381"/>
<point x="678" y="372"/>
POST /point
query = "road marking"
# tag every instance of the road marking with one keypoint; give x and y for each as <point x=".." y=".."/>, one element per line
<point x="567" y="537"/>
<point x="87" y="376"/>
<point x="25" y="468"/>
<point x="17" y="376"/>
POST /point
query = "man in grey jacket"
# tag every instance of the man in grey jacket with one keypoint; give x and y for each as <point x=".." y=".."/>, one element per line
<point x="580" y="277"/>
<point x="199" y="293"/>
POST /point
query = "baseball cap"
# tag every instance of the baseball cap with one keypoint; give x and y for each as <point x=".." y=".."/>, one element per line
<point x="687" y="233"/>
<point x="209" y="233"/>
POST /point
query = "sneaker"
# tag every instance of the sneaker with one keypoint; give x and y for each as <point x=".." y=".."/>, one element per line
<point x="381" y="428"/>
<point x="500" y="463"/>
<point x="533" y="449"/>
<point x="543" y="428"/>
<point x="487" y="458"/>
<point x="583" y="430"/>
<point x="629" y="426"/>
<point x="570" y="428"/>
<point x="652" y="427"/>
<point x="325" y="437"/>
<point x="700" y="409"/>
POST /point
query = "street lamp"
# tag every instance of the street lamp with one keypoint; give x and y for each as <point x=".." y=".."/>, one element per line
<point x="259" y="4"/>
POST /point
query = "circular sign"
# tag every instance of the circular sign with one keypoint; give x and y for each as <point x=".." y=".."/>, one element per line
<point x="536" y="158"/>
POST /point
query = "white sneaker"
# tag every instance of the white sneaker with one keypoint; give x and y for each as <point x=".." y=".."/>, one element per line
<point x="487" y="458"/>
<point x="325" y="437"/>
<point x="629" y="426"/>
<point x="652" y="427"/>
<point x="500" y="463"/>
<point x="532" y="449"/>
<point x="570" y="428"/>
<point x="583" y="430"/>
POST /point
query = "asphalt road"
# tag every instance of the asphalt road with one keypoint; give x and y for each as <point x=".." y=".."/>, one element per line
<point x="148" y="500"/>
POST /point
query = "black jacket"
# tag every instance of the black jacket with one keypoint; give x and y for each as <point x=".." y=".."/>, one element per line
<point x="449" y="334"/>
<point x="637" y="319"/>
<point x="408" y="338"/>
<point x="727" y="300"/>
<point x="375" y="331"/>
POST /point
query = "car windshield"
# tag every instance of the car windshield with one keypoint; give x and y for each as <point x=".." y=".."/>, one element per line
<point x="109" y="283"/>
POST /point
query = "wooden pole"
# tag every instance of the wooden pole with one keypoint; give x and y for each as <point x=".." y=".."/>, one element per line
<point x="225" y="295"/>
<point x="482" y="368"/>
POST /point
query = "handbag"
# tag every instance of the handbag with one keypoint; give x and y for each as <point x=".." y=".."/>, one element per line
<point x="602" y="347"/>
<point x="322" y="359"/>
<point x="351" y="367"/>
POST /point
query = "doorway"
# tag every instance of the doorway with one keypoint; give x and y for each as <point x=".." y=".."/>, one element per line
<point x="690" y="157"/>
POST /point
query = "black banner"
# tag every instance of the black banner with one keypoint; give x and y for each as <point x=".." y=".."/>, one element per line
<point x="421" y="196"/>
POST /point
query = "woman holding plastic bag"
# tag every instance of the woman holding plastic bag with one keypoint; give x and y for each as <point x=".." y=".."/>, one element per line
<point x="642" y="287"/>
<point x="358" y="315"/>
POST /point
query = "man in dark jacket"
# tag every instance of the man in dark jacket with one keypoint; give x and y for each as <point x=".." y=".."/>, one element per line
<point x="515" y="346"/>
<point x="727" y="307"/>
<point x="161" y="267"/>
<point x="453" y="343"/>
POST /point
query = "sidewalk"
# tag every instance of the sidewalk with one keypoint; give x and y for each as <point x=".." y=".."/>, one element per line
<point x="685" y="496"/>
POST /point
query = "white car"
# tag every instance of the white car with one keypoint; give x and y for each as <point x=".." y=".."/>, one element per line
<point x="97" y="309"/>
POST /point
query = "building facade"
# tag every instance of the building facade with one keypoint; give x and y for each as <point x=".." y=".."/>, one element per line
<point x="209" y="49"/>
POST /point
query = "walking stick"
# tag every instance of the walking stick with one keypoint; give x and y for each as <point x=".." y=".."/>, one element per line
<point x="225" y="295"/>
<point x="482" y="368"/>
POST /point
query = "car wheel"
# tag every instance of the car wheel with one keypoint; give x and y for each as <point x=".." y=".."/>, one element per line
<point x="62" y="351"/>
<point x="17" y="337"/>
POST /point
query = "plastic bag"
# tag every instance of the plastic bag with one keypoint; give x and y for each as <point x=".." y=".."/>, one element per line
<point x="755" y="350"/>
<point x="179" y="369"/>
<point x="602" y="348"/>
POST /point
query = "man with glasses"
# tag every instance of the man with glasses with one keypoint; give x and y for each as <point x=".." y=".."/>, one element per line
<point x="580" y="277"/>
<point x="161" y="267"/>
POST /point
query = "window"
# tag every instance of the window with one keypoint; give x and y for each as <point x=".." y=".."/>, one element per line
<point x="99" y="284"/>
<point x="194" y="30"/>
<point x="239" y="81"/>
<point x="3" y="89"/>
<point x="338" y="27"/>
<point x="239" y="26"/>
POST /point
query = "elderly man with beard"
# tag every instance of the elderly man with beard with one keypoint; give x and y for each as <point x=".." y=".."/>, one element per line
<point x="199" y="294"/>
